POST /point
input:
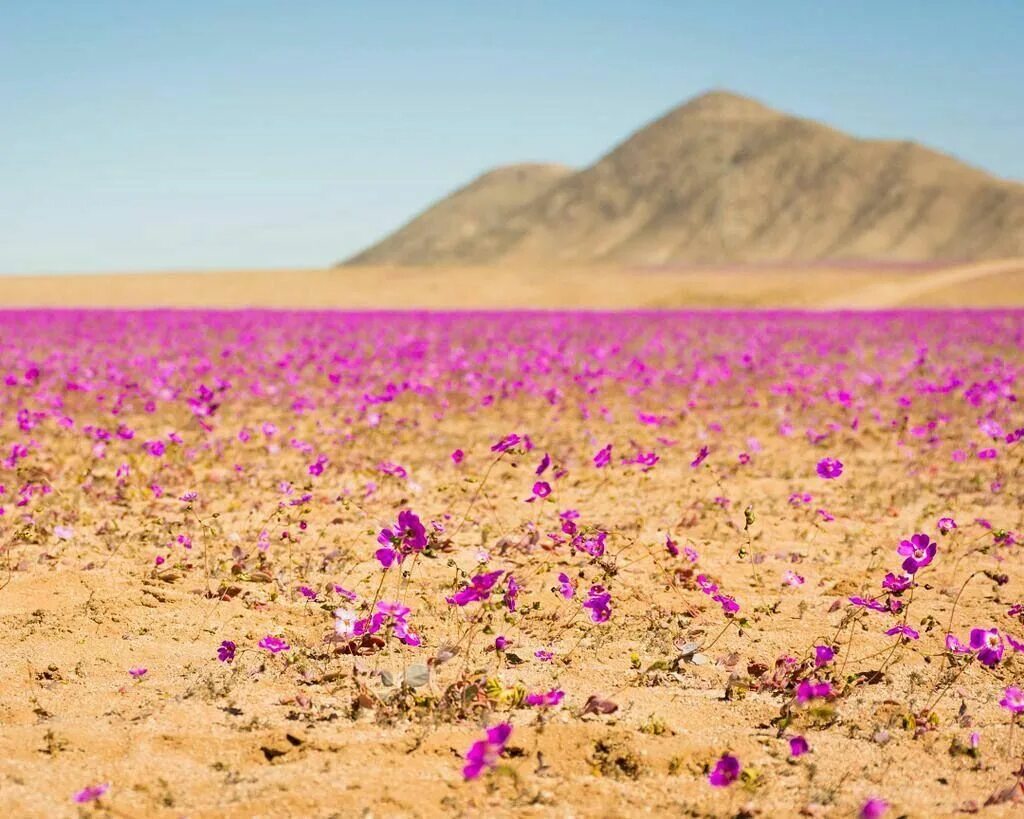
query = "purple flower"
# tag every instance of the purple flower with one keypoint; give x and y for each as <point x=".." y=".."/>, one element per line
<point x="954" y="644"/>
<point x="599" y="602"/>
<point x="274" y="644"/>
<point x="506" y="443"/>
<point x="138" y="672"/>
<point x="809" y="690"/>
<point x="671" y="546"/>
<point x="307" y="592"/>
<point x="874" y="605"/>
<point x="905" y="632"/>
<point x="545" y="462"/>
<point x="511" y="593"/>
<point x="726" y="771"/>
<point x="897" y="583"/>
<point x="457" y="456"/>
<point x="798" y="746"/>
<point x="704" y="452"/>
<point x="500" y="643"/>
<point x="988" y="645"/>
<point x="603" y="457"/>
<point x="874" y="808"/>
<point x="91" y="793"/>
<point x="546" y="700"/>
<point x="566" y="588"/>
<point x="226" y="651"/>
<point x="341" y="591"/>
<point x="1013" y="700"/>
<point x="544" y="655"/>
<point x="919" y="551"/>
<point x="946" y="525"/>
<point x="484" y="754"/>
<point x="541" y="490"/>
<point x="408" y="535"/>
<point x="830" y="468"/>
<point x="823" y="655"/>
<point x="478" y="590"/>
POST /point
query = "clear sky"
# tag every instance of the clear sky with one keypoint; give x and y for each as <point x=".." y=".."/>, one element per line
<point x="207" y="134"/>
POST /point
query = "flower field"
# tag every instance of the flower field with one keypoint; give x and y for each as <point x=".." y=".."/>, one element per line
<point x="511" y="564"/>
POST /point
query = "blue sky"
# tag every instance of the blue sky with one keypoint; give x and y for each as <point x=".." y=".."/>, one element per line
<point x="204" y="134"/>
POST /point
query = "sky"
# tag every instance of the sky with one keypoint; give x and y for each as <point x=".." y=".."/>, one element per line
<point x="206" y="134"/>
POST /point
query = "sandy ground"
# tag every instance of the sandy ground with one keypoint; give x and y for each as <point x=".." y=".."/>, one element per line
<point x="984" y="284"/>
<point x="311" y="732"/>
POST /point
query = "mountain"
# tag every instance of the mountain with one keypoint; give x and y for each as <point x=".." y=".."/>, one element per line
<point x="719" y="179"/>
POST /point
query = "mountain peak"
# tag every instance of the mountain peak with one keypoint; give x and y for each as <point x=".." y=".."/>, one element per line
<point x="723" y="104"/>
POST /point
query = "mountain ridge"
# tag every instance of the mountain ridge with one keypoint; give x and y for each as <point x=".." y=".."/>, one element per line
<point x="722" y="178"/>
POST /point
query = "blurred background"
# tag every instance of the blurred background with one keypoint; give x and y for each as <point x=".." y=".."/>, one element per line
<point x="537" y="154"/>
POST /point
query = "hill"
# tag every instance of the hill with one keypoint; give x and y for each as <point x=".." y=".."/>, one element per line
<point x="723" y="179"/>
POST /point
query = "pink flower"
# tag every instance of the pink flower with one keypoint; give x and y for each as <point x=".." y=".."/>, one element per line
<point x="458" y="456"/>
<point x="506" y="443"/>
<point x="138" y="673"/>
<point x="546" y="700"/>
<point x="798" y="746"/>
<point x="701" y="456"/>
<point x="1013" y="700"/>
<point x="726" y="771"/>
<point x="274" y="644"/>
<point x="91" y="793"/>
<point x="484" y="754"/>
<point x="873" y="808"/>
<point x="830" y="468"/>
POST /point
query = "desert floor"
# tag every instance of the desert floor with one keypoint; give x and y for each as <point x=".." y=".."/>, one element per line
<point x="109" y="563"/>
<point x="981" y="284"/>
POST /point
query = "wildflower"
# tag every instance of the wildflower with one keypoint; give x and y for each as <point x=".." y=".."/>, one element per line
<point x="63" y="532"/>
<point x="599" y="603"/>
<point x="955" y="645"/>
<point x="341" y="591"/>
<point x="791" y="578"/>
<point x="317" y="467"/>
<point x="691" y="554"/>
<point x="988" y="645"/>
<point x="155" y="448"/>
<point x="566" y="588"/>
<point x="671" y="546"/>
<point x="543" y="655"/>
<point x="345" y="622"/>
<point x="827" y="516"/>
<point x="457" y="456"/>
<point x="506" y="443"/>
<point x="478" y="589"/>
<point x="500" y="643"/>
<point x="830" y="468"/>
<point x="91" y="793"/>
<point x="904" y="631"/>
<point x="484" y="754"/>
<point x="274" y="644"/>
<point x="798" y="746"/>
<point x="987" y="454"/>
<point x="823" y="655"/>
<point x="873" y="808"/>
<point x="808" y="690"/>
<point x="919" y="551"/>
<point x="697" y="461"/>
<point x="541" y="489"/>
<point x="307" y="592"/>
<point x="946" y="525"/>
<point x="408" y="535"/>
<point x="897" y="583"/>
<point x="226" y="651"/>
<point x="138" y="672"/>
<point x="726" y="771"/>
<point x="728" y="603"/>
<point x="190" y="497"/>
<point x="1013" y="700"/>
<point x="546" y="700"/>
<point x="545" y="462"/>
<point x="511" y="593"/>
<point x="603" y="457"/>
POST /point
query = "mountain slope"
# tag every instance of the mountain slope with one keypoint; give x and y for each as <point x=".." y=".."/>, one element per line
<point x="726" y="179"/>
<point x="463" y="215"/>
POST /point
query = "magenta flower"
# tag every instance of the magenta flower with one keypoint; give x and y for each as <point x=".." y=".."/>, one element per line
<point x="830" y="468"/>
<point x="897" y="583"/>
<point x="791" y="578"/>
<point x="874" y="808"/>
<point x="809" y="690"/>
<point x="408" y="535"/>
<point x="671" y="546"/>
<point x="390" y="613"/>
<point x="478" y="589"/>
<point x="91" y="793"/>
<point x="317" y="467"/>
<point x="946" y="525"/>
<point x="226" y="651"/>
<point x="701" y="455"/>
<point x="544" y="655"/>
<point x="541" y="490"/>
<point x="155" y="448"/>
<point x="1013" y="700"/>
<point x="904" y="631"/>
<point x="988" y="645"/>
<point x="341" y="591"/>
<point x="823" y="655"/>
<point x="307" y="592"/>
<point x="138" y="672"/>
<point x="545" y="462"/>
<point x="919" y="551"/>
<point x="484" y="754"/>
<point x="726" y="771"/>
<point x="603" y="457"/>
<point x="599" y="603"/>
<point x="798" y="746"/>
<point x="566" y="588"/>
<point x="500" y="643"/>
<point x="506" y="443"/>
<point x="274" y="644"/>
<point x="457" y="456"/>
<point x="546" y="699"/>
<point x="511" y="593"/>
